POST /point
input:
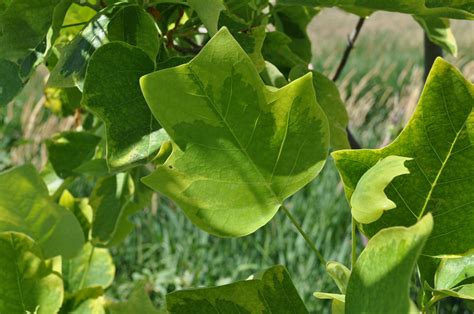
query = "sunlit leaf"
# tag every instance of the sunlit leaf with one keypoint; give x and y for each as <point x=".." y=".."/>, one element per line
<point x="439" y="137"/>
<point x="209" y="12"/>
<point x="28" y="282"/>
<point x="380" y="280"/>
<point x="239" y="148"/>
<point x="26" y="207"/>
<point x="439" y="32"/>
<point x="270" y="292"/>
<point x="138" y="302"/>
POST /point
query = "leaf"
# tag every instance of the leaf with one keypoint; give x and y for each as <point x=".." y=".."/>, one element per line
<point x="23" y="26"/>
<point x="67" y="151"/>
<point x="340" y="274"/>
<point x="29" y="283"/>
<point x="252" y="42"/>
<point x="209" y="12"/>
<point x="239" y="148"/>
<point x="337" y="301"/>
<point x="95" y="306"/>
<point x="461" y="9"/>
<point x="138" y="302"/>
<point x="80" y="208"/>
<point x="276" y="50"/>
<point x="439" y="32"/>
<point x="439" y="137"/>
<point x="93" y="267"/>
<point x="271" y="292"/>
<point x="452" y="271"/>
<point x="272" y="76"/>
<point x="329" y="99"/>
<point x="368" y="202"/>
<point x="26" y="207"/>
<point x="380" y="280"/>
<point x="117" y="22"/>
<point x="114" y="199"/>
<point x="133" y="135"/>
<point x="10" y="81"/>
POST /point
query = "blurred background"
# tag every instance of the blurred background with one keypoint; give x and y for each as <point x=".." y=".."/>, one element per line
<point x="380" y="85"/>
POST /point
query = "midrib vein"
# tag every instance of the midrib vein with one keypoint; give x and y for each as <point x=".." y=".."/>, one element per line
<point x="438" y="175"/>
<point x="242" y="149"/>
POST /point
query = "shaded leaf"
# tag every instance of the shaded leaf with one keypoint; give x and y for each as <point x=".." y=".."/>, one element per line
<point x="114" y="199"/>
<point x="439" y="32"/>
<point x="115" y="22"/>
<point x="272" y="76"/>
<point x="133" y="134"/>
<point x="368" y="202"/>
<point x="26" y="207"/>
<point x="10" y="81"/>
<point x="209" y="12"/>
<point x="384" y="268"/>
<point x="439" y="137"/>
<point x="93" y="267"/>
<point x="69" y="150"/>
<point x="28" y="282"/>
<point x="239" y="148"/>
<point x="80" y="208"/>
<point x="270" y="292"/>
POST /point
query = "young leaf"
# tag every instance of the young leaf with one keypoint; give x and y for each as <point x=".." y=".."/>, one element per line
<point x="368" y="202"/>
<point x="271" y="292"/>
<point x="380" y="280"/>
<point x="69" y="150"/>
<point x="338" y="301"/>
<point x="340" y="274"/>
<point x="439" y="32"/>
<point x="28" y="282"/>
<point x="133" y="135"/>
<point x="240" y="149"/>
<point x="452" y="271"/>
<point x="26" y="207"/>
<point x="138" y="302"/>
<point x="93" y="267"/>
<point x="439" y="137"/>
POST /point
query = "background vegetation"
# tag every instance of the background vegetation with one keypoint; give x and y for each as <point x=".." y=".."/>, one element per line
<point x="381" y="85"/>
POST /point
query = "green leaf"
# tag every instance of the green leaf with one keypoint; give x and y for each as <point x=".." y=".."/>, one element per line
<point x="118" y="22"/>
<point x="23" y="26"/>
<point x="239" y="148"/>
<point x="276" y="49"/>
<point x="272" y="76"/>
<point x="209" y="12"/>
<point x="133" y="135"/>
<point x="26" y="207"/>
<point x="338" y="302"/>
<point x="80" y="208"/>
<point x="252" y="42"/>
<point x="138" y="302"/>
<point x="380" y="280"/>
<point x="114" y="199"/>
<point x="93" y="267"/>
<point x="28" y="282"/>
<point x="439" y="32"/>
<point x="461" y="9"/>
<point x="69" y="150"/>
<point x="270" y="292"/>
<point x="340" y="274"/>
<point x="329" y="99"/>
<point x="368" y="202"/>
<point x="10" y="81"/>
<point x="439" y="137"/>
<point x="452" y="271"/>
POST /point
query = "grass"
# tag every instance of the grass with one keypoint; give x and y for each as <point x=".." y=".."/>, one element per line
<point x="380" y="85"/>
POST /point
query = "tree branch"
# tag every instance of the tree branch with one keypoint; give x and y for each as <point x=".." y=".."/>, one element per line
<point x="345" y="57"/>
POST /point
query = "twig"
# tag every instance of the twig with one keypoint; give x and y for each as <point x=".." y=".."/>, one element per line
<point x="345" y="57"/>
<point x="350" y="45"/>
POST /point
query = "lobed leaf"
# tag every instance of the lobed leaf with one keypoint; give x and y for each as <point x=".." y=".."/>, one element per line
<point x="26" y="207"/>
<point x="439" y="137"/>
<point x="270" y="292"/>
<point x="239" y="148"/>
